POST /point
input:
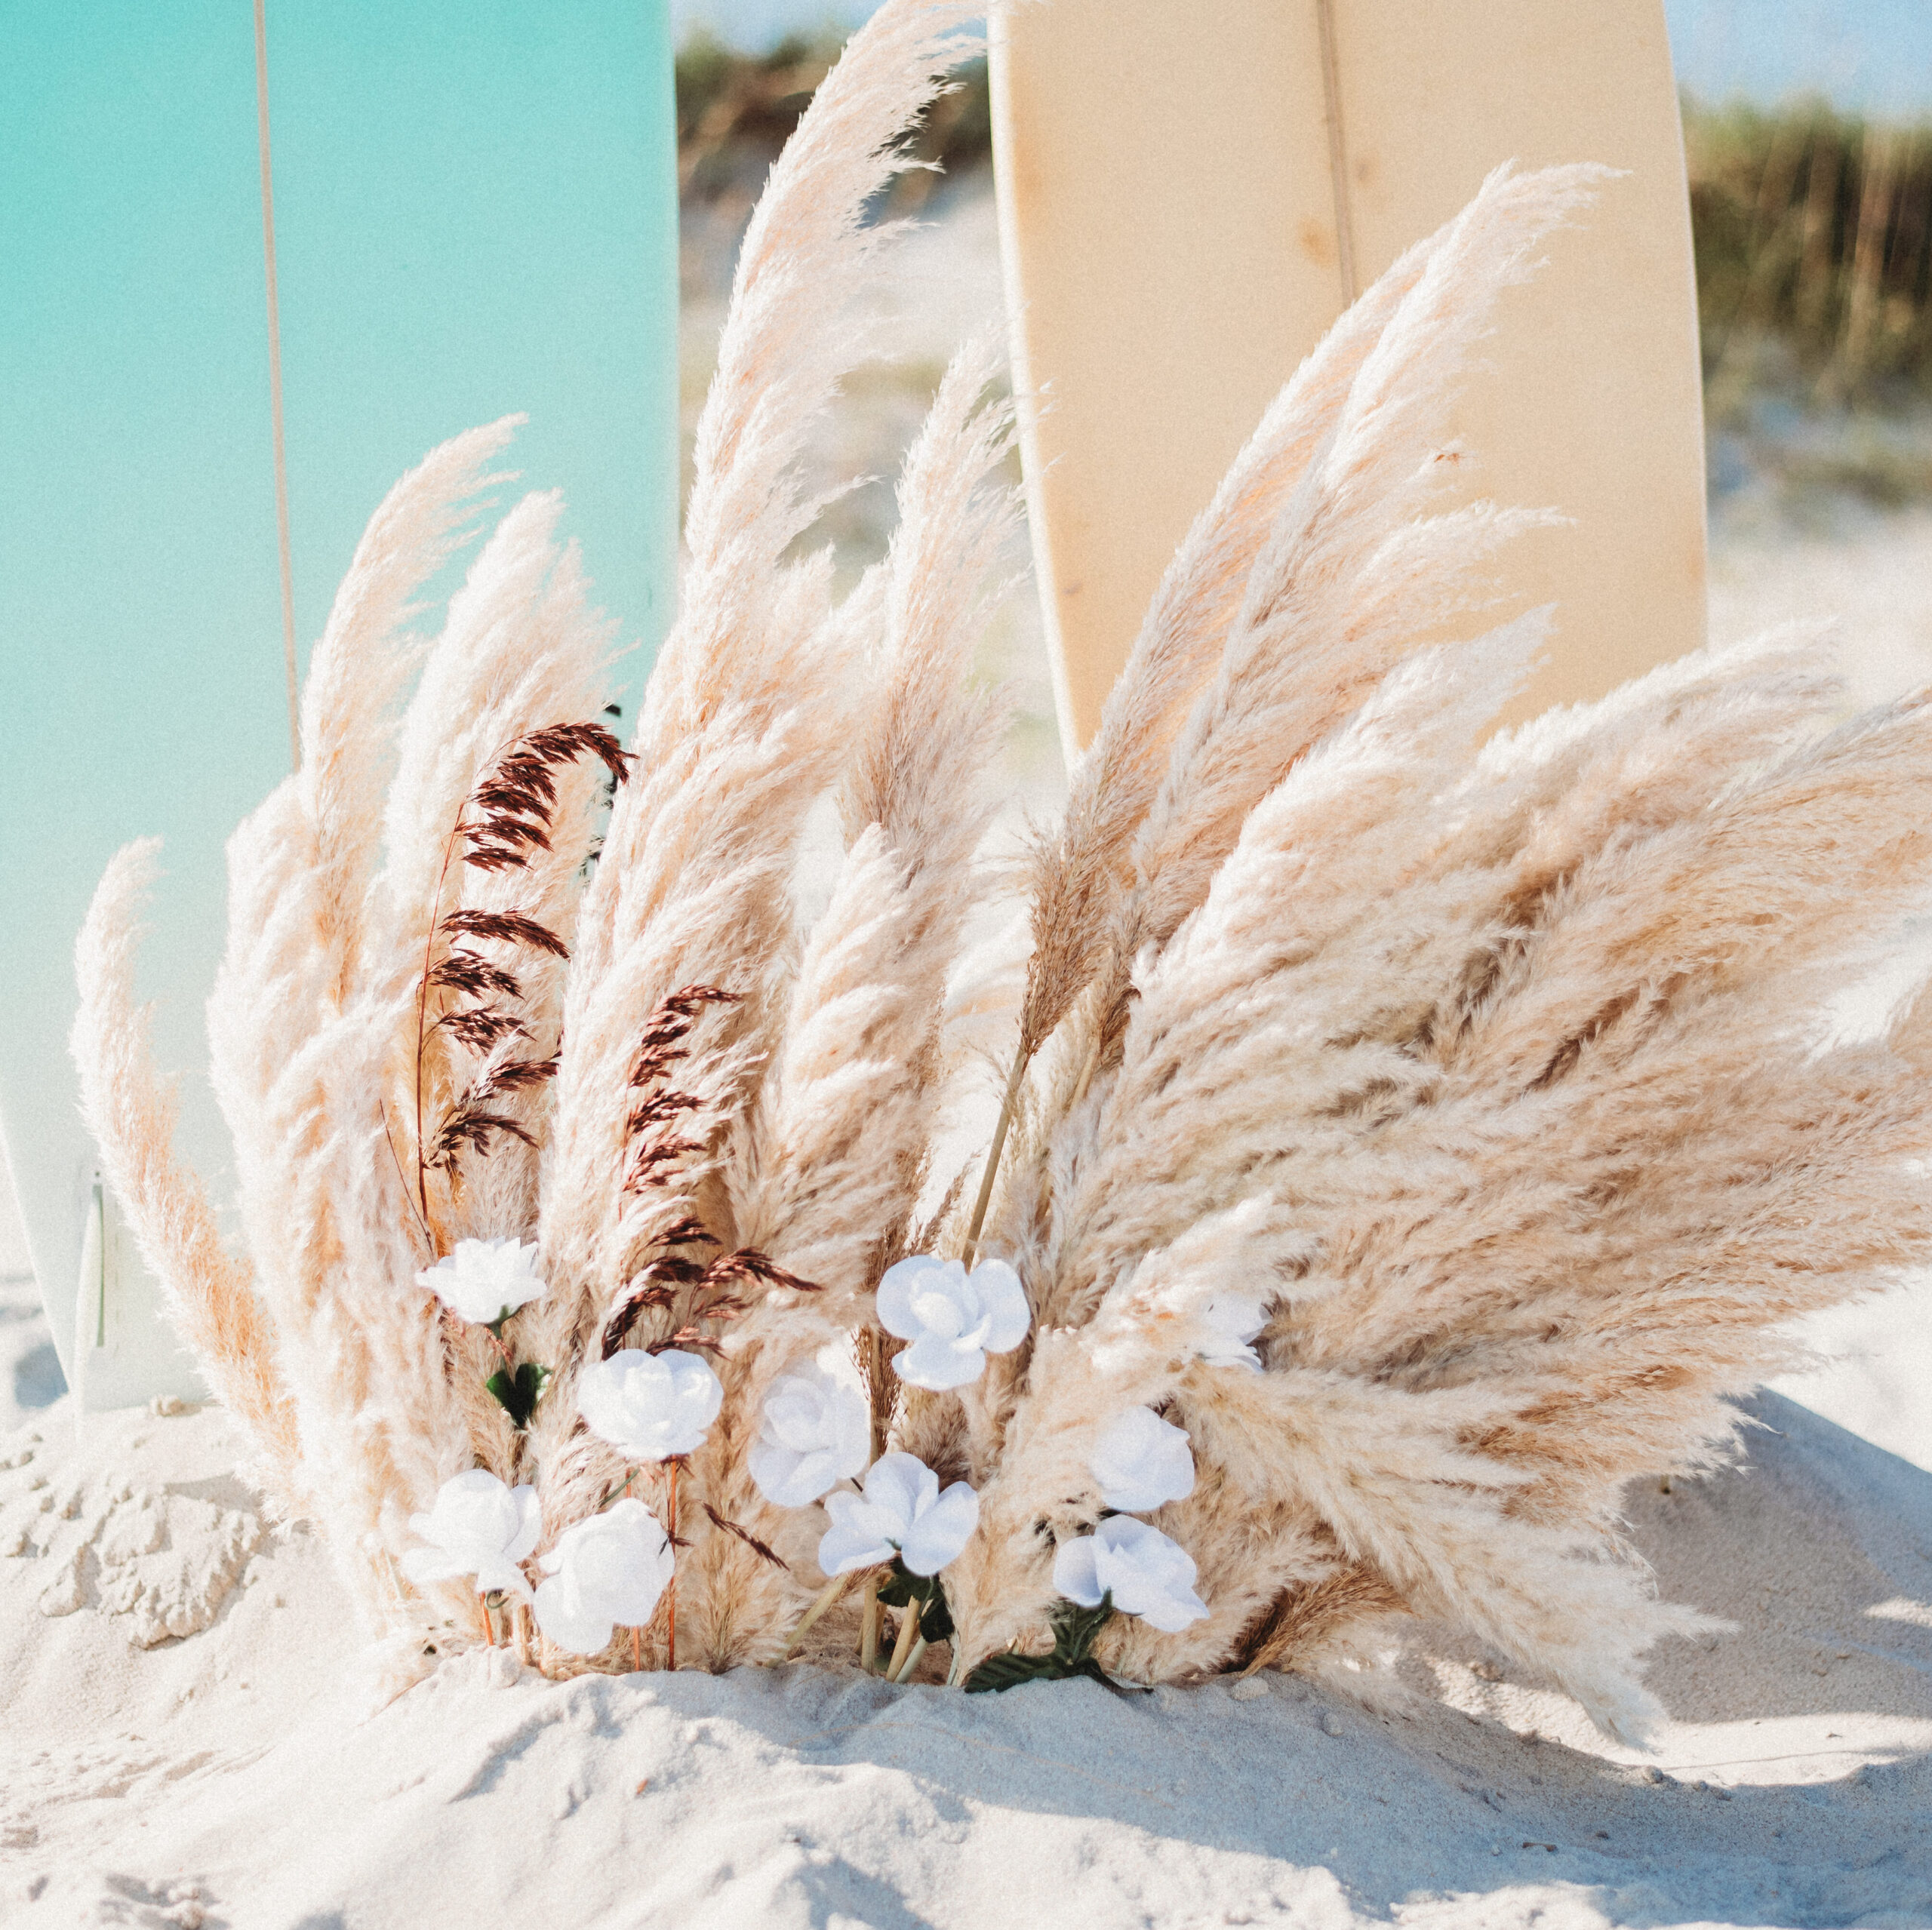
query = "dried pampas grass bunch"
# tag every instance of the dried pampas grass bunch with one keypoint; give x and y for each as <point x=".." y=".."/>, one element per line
<point x="1409" y="1133"/>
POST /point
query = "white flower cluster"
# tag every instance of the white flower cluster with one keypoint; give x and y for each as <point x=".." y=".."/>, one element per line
<point x="484" y="1281"/>
<point x="816" y="1431"/>
<point x="611" y="1569"/>
<point x="607" y="1569"/>
<point x="1142" y="1462"/>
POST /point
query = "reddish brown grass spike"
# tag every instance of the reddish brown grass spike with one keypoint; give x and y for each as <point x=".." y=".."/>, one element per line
<point x="467" y="1126"/>
<point x="470" y="971"/>
<point x="507" y="928"/>
<point x="750" y="1540"/>
<point x="480" y="1027"/>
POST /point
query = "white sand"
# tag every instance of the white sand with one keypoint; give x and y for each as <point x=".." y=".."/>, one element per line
<point x="238" y="1777"/>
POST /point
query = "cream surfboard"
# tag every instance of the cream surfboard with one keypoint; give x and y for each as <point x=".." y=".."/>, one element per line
<point x="1191" y="191"/>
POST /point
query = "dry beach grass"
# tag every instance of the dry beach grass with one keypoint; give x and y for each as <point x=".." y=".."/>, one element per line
<point x="1441" y="1011"/>
<point x="1487" y="1088"/>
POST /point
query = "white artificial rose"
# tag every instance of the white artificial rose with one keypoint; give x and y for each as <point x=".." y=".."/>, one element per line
<point x="901" y="1512"/>
<point x="1232" y="1319"/>
<point x="650" y="1406"/>
<point x="485" y="1280"/>
<point x="816" y="1432"/>
<point x="953" y="1319"/>
<point x="606" y="1571"/>
<point x="1147" y="1575"/>
<point x="1142" y="1462"/>
<point x="476" y="1526"/>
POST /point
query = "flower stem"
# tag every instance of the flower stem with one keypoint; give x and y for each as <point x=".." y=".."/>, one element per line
<point x="908" y="1633"/>
<point x="483" y="1615"/>
<point x="637" y="1650"/>
<point x="827" y="1598"/>
<point x="868" y="1626"/>
<point x="911" y="1662"/>
<point x="1007" y="1106"/>
<point x="422" y="1011"/>
<point x="671" y="1619"/>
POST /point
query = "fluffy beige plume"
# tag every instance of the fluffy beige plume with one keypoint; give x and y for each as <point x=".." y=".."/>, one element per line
<point x="1323" y="527"/>
<point x="521" y="649"/>
<point x="284" y="1033"/>
<point x="827" y="1174"/>
<point x="1081" y="871"/>
<point x="839" y="1139"/>
<point x="360" y="666"/>
<point x="210" y="1295"/>
<point x="1353" y="570"/>
<point x="1589" y="1238"/>
<point x="746" y="722"/>
<point x="1519" y="1118"/>
<point x="745" y="718"/>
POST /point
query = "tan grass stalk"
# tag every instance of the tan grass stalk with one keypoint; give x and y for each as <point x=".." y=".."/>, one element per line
<point x="210" y="1295"/>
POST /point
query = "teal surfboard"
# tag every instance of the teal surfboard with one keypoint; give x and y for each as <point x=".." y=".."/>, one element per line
<point x="475" y="211"/>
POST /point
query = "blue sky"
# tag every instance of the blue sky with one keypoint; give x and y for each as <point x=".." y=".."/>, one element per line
<point x="1868" y="54"/>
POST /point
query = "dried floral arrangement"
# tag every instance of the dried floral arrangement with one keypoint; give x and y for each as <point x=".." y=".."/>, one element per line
<point x="1407" y="1134"/>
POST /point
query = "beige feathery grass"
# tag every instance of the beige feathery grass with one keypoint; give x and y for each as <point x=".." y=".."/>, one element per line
<point x="210" y="1294"/>
<point x="1495" y="1070"/>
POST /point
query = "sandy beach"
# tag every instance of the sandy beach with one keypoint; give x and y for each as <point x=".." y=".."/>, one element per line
<point x="265" y="1770"/>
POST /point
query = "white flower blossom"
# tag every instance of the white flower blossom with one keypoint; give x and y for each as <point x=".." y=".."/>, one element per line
<point x="902" y="1512"/>
<point x="476" y="1526"/>
<point x="606" y="1571"/>
<point x="953" y="1319"/>
<point x="816" y="1432"/>
<point x="1232" y="1319"/>
<point x="650" y="1406"/>
<point x="1148" y="1575"/>
<point x="1142" y="1462"/>
<point x="485" y="1280"/>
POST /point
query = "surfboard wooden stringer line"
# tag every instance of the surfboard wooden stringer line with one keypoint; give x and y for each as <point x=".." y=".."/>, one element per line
<point x="1189" y="195"/>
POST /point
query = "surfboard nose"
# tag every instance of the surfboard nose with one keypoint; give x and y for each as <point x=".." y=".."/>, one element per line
<point x="1190" y="195"/>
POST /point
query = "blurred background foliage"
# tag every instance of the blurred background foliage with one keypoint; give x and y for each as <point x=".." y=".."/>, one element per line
<point x="735" y="109"/>
<point x="1812" y="225"/>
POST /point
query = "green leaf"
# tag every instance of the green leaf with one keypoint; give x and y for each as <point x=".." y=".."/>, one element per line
<point x="901" y="1588"/>
<point x="518" y="1398"/>
<point x="1076" y="1629"/>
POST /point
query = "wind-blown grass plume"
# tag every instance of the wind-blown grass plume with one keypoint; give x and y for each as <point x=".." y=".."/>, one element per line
<point x="1351" y="573"/>
<point x="844" y="1120"/>
<point x="299" y="875"/>
<point x="210" y="1294"/>
<point x="1082" y="868"/>
<point x="830" y="1170"/>
<point x="1524" y="1037"/>
<point x="1313" y="569"/>
<point x="1333" y="588"/>
<point x="746" y="713"/>
<point x="1571" y="1130"/>
<point x="746" y="722"/>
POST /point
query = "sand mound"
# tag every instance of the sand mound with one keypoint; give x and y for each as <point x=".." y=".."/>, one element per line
<point x="265" y="1772"/>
